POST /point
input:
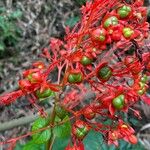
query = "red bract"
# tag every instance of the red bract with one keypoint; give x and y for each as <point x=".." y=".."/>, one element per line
<point x="122" y="131"/>
<point x="98" y="72"/>
<point x="99" y="35"/>
<point x="115" y="101"/>
<point x="133" y="64"/>
<point x="10" y="97"/>
<point x="25" y="85"/>
<point x="79" y="146"/>
<point x="89" y="113"/>
<point x="39" y="65"/>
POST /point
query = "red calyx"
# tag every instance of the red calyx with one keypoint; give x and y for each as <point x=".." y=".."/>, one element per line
<point x="88" y="113"/>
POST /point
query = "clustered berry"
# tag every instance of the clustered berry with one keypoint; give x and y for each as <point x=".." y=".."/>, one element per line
<point x="95" y="57"/>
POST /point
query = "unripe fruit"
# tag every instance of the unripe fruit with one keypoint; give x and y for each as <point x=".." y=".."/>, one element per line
<point x="142" y="85"/>
<point x="142" y="91"/>
<point x="127" y="32"/>
<point x="34" y="77"/>
<point x="111" y="21"/>
<point x="44" y="94"/>
<point x="99" y="35"/>
<point x="118" y="102"/>
<point x="75" y="77"/>
<point x="86" y="61"/>
<point x="105" y="73"/>
<point x="80" y="129"/>
<point x="144" y="78"/>
<point x="124" y="11"/>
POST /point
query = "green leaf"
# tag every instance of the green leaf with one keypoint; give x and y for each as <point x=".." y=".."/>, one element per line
<point x="2" y="9"/>
<point x="16" y="14"/>
<point x="2" y="46"/>
<point x="39" y="123"/>
<point x="64" y="129"/>
<point x="18" y="146"/>
<point x="135" y="122"/>
<point x="81" y="2"/>
<point x="123" y="145"/>
<point x="107" y="122"/>
<point x="32" y="146"/>
<point x="61" y="143"/>
<point x="44" y="136"/>
<point x="72" y="21"/>
<point x="93" y="141"/>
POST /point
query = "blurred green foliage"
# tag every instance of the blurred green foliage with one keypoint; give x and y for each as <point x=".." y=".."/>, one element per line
<point x="72" y="21"/>
<point x="93" y="141"/>
<point x="81" y="2"/>
<point x="10" y="33"/>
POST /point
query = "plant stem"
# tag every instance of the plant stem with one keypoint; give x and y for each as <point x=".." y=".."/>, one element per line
<point x="19" y="122"/>
<point x="52" y="119"/>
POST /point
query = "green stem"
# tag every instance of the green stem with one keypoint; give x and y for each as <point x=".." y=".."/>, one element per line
<point x="52" y="119"/>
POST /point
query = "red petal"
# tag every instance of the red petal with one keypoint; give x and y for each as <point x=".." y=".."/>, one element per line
<point x="111" y="110"/>
<point x="10" y="97"/>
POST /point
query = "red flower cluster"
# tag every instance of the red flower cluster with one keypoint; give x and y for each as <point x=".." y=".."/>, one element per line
<point x="122" y="131"/>
<point x="104" y="55"/>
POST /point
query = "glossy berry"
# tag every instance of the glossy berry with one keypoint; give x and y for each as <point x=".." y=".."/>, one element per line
<point x="88" y="113"/>
<point x="111" y="21"/>
<point x="45" y="94"/>
<point x="86" y="61"/>
<point x="99" y="35"/>
<point x="127" y="32"/>
<point x="75" y="77"/>
<point x="80" y="129"/>
<point x="60" y="112"/>
<point x="142" y="85"/>
<point x="34" y="77"/>
<point x="105" y="73"/>
<point x="124" y="11"/>
<point x="118" y="102"/>
<point x="144" y="78"/>
<point x="142" y="91"/>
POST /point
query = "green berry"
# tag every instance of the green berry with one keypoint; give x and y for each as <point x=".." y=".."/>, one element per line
<point x="124" y="11"/>
<point x="86" y="61"/>
<point x="46" y="93"/>
<point x="75" y="78"/>
<point x="127" y="32"/>
<point x="105" y="73"/>
<point x="118" y="102"/>
<point x="144" y="78"/>
<point x="142" y="91"/>
<point x="111" y="21"/>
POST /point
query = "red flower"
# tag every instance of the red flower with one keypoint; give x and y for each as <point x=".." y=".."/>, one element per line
<point x="122" y="131"/>
<point x="8" y="98"/>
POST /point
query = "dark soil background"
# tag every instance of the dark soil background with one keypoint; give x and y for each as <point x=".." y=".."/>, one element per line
<point x="41" y="20"/>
